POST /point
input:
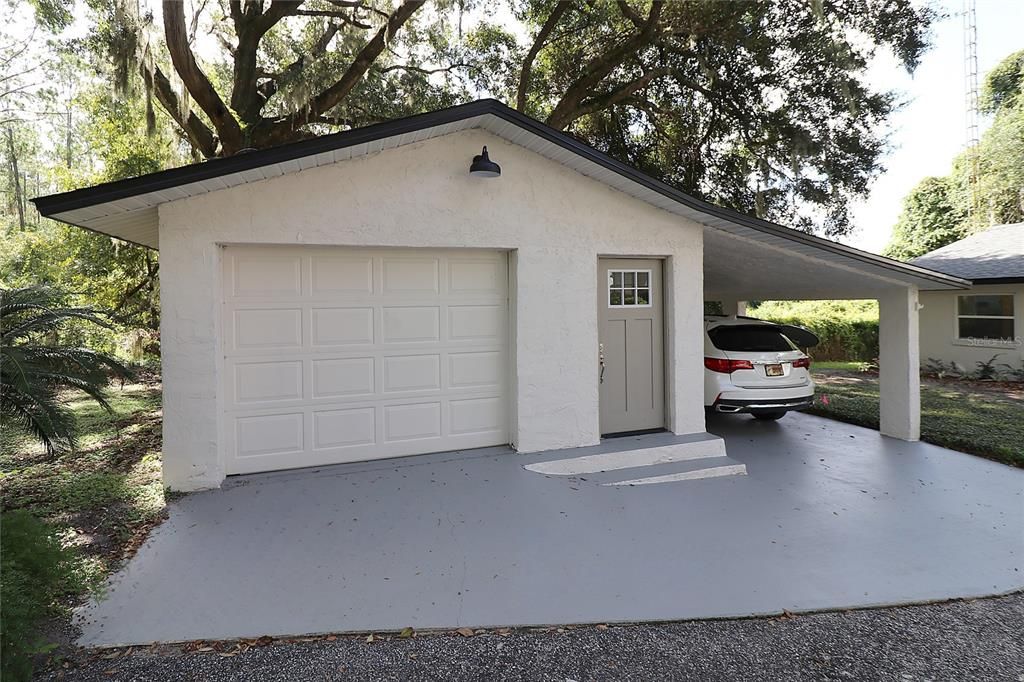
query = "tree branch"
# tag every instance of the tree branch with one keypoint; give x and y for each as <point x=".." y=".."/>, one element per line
<point x="250" y="26"/>
<point x="418" y="69"/>
<point x="599" y="68"/>
<point x="345" y="17"/>
<point x="538" y="43"/>
<point x="196" y="82"/>
<point x="603" y="101"/>
<point x="198" y="133"/>
<point x="330" y="97"/>
<point x="268" y="88"/>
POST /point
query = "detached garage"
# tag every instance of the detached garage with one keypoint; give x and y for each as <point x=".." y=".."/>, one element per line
<point x="368" y="294"/>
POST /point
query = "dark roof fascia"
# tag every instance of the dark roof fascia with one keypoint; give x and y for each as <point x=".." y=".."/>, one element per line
<point x="213" y="168"/>
<point x="120" y="189"/>
<point x="998" y="280"/>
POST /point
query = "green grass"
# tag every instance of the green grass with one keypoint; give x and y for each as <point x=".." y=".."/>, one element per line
<point x="985" y="421"/>
<point x="108" y="493"/>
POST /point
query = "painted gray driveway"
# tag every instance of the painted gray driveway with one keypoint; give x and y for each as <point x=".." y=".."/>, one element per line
<point x="829" y="516"/>
<point x="977" y="641"/>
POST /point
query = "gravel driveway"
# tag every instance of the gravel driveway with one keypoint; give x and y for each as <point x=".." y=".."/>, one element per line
<point x="971" y="640"/>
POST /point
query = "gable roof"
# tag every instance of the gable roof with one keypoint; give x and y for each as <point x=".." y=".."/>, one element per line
<point x="995" y="256"/>
<point x="127" y="209"/>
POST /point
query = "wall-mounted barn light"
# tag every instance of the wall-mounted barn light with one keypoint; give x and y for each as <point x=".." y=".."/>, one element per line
<point x="483" y="167"/>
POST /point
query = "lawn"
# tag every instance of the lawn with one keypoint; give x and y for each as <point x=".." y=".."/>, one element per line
<point x="979" y="418"/>
<point x="106" y="495"/>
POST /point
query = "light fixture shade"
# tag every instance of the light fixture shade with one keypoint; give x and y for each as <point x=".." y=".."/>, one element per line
<point x="483" y="167"/>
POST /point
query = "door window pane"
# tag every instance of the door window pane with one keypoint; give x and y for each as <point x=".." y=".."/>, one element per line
<point x="629" y="288"/>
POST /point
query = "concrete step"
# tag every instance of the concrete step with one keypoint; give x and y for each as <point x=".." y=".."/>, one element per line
<point x="628" y="453"/>
<point x="689" y="470"/>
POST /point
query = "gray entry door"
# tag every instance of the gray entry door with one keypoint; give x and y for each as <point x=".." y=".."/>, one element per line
<point x="631" y="323"/>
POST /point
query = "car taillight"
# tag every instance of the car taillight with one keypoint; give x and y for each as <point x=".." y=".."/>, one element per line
<point x="727" y="366"/>
<point x="802" y="362"/>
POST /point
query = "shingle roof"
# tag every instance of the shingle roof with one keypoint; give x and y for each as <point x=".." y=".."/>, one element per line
<point x="995" y="254"/>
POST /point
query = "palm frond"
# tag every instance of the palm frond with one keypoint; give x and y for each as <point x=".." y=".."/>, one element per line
<point x="34" y="374"/>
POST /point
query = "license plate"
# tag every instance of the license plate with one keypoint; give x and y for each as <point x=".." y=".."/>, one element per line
<point x="773" y="370"/>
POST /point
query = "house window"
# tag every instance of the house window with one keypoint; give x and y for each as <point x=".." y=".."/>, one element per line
<point x="985" y="317"/>
<point x="629" y="288"/>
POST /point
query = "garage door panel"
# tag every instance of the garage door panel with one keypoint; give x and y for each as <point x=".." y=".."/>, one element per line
<point x="342" y="326"/>
<point x="341" y="275"/>
<point x="417" y="276"/>
<point x="475" y="370"/>
<point x="344" y="428"/>
<point x="261" y="328"/>
<point x="347" y="354"/>
<point x="407" y="324"/>
<point x="476" y="322"/>
<point x="476" y="415"/>
<point x="412" y="373"/>
<point x="269" y="434"/>
<point x="268" y="381"/>
<point x="412" y="422"/>
<point x="476" y="276"/>
<point x="267" y="275"/>
<point x="338" y="377"/>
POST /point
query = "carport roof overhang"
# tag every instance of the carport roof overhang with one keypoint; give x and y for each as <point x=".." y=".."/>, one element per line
<point x="748" y="257"/>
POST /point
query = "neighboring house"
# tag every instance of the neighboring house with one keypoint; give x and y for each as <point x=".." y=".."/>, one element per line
<point x="365" y="295"/>
<point x="968" y="327"/>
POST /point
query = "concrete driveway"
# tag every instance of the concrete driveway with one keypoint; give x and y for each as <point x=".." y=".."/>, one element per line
<point x="828" y="516"/>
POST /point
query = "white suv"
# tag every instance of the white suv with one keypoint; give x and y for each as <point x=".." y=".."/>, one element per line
<point x="753" y="366"/>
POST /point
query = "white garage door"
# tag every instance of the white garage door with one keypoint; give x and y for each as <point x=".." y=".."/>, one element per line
<point x="337" y="354"/>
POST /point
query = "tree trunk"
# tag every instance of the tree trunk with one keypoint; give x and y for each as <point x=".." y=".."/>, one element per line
<point x="15" y="178"/>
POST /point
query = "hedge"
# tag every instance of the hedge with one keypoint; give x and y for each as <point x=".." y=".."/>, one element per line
<point x="848" y="329"/>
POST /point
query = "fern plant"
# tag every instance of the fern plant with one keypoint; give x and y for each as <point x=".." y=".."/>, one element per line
<point x="987" y="369"/>
<point x="35" y="368"/>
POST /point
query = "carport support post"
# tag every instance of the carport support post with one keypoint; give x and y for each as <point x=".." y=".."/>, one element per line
<point x="899" y="364"/>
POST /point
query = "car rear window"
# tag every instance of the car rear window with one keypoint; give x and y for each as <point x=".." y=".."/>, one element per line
<point x="750" y="338"/>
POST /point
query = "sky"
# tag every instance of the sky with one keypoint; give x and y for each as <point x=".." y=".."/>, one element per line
<point x="931" y="129"/>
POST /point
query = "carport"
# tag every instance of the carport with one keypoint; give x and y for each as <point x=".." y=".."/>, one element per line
<point x="744" y="263"/>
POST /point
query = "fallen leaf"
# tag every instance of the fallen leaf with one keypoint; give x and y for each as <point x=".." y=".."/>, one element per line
<point x="331" y="638"/>
<point x="601" y="626"/>
<point x="369" y="638"/>
<point x="406" y="633"/>
<point x="465" y="632"/>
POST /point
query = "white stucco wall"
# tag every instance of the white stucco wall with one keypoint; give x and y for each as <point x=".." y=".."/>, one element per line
<point x="556" y="221"/>
<point x="939" y="329"/>
<point x="899" y="374"/>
